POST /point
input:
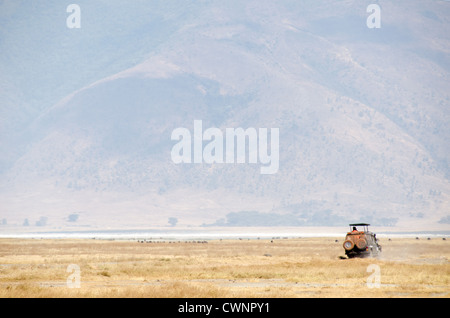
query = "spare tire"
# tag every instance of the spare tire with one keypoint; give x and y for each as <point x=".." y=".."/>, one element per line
<point x="361" y="244"/>
<point x="348" y="245"/>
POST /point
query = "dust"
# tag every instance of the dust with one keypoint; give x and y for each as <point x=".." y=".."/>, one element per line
<point x="416" y="251"/>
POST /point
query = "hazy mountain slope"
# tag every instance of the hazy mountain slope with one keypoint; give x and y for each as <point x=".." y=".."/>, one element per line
<point x="363" y="117"/>
<point x="43" y="60"/>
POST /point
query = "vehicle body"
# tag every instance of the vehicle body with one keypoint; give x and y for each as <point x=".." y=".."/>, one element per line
<point x="361" y="242"/>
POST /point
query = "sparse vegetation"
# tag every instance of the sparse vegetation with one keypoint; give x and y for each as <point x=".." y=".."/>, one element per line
<point x="72" y="217"/>
<point x="303" y="267"/>
<point x="445" y="220"/>
<point x="42" y="221"/>
<point x="295" y="218"/>
<point x="173" y="221"/>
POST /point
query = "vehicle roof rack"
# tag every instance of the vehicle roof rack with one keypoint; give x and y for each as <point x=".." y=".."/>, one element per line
<point x="359" y="224"/>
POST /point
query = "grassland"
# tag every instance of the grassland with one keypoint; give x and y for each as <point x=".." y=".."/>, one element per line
<point x="301" y="267"/>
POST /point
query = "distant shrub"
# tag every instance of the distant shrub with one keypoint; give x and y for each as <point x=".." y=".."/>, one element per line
<point x="445" y="220"/>
<point x="173" y="221"/>
<point x="72" y="217"/>
<point x="42" y="221"/>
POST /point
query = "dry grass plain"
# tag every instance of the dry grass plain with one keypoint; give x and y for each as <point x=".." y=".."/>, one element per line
<point x="301" y="267"/>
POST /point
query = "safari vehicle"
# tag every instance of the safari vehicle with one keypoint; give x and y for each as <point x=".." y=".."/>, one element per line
<point x="360" y="242"/>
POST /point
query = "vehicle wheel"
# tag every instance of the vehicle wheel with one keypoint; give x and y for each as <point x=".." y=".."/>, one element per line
<point x="361" y="244"/>
<point x="348" y="245"/>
